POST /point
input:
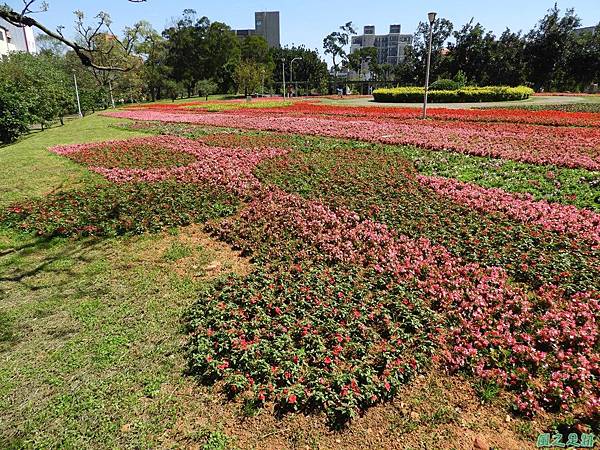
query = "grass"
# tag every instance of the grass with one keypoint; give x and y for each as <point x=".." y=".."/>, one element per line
<point x="90" y="334"/>
<point x="28" y="170"/>
<point x="95" y="357"/>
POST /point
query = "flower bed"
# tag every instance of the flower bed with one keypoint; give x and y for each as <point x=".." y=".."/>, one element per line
<point x="555" y="115"/>
<point x="320" y="330"/>
<point x="223" y="167"/>
<point x="138" y="153"/>
<point x="561" y="146"/>
<point x="129" y="208"/>
<point x="560" y="218"/>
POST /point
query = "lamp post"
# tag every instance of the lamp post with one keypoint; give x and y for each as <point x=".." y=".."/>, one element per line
<point x="77" y="94"/>
<point x="112" y="99"/>
<point x="283" y="74"/>
<point x="431" y="16"/>
<point x="298" y="58"/>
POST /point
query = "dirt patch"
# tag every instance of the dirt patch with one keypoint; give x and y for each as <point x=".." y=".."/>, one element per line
<point x="437" y="411"/>
<point x="191" y="252"/>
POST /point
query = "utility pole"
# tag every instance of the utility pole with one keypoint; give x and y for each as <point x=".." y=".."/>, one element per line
<point x="77" y="94"/>
<point x="283" y="74"/>
<point x="431" y="17"/>
<point x="292" y="73"/>
<point x="112" y="100"/>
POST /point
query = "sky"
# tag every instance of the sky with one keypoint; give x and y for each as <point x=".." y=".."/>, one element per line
<point x="308" y="21"/>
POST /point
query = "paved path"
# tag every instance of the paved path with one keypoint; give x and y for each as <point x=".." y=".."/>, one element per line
<point x="537" y="100"/>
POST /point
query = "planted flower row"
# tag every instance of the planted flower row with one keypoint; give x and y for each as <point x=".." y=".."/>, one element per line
<point x="566" y="219"/>
<point x="304" y="335"/>
<point x="311" y="108"/>
<point x="561" y="146"/>
<point x="130" y="161"/>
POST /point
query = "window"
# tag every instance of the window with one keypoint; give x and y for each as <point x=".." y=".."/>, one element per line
<point x="1" y="34"/>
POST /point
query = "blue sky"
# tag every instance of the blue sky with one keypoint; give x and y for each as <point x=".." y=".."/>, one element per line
<point x="308" y="21"/>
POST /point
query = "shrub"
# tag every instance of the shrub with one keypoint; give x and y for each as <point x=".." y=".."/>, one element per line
<point x="14" y="116"/>
<point x="462" y="95"/>
<point x="445" y="85"/>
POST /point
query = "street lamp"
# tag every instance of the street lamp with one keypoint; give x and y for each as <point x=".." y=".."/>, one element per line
<point x="77" y="94"/>
<point x="283" y="74"/>
<point x="431" y="16"/>
<point x="298" y="58"/>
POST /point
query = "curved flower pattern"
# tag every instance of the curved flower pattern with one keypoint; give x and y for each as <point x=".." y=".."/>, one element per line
<point x="550" y="216"/>
<point x="561" y="146"/>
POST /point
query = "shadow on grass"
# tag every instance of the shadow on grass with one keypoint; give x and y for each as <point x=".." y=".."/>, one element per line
<point x="44" y="255"/>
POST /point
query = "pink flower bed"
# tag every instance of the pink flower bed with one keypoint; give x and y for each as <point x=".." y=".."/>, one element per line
<point x="522" y="207"/>
<point x="549" y="342"/>
<point x="223" y="166"/>
<point x="562" y="146"/>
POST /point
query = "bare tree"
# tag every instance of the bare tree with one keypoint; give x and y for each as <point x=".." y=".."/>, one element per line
<point x="86" y="43"/>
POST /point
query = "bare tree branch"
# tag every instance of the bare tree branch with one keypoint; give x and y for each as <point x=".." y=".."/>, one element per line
<point x="87" y="48"/>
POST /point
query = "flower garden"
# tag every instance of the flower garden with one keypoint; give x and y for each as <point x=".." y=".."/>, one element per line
<point x="384" y="246"/>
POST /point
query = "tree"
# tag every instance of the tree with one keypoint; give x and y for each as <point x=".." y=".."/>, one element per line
<point x="256" y="48"/>
<point x="547" y="46"/>
<point x="248" y="77"/>
<point x="311" y="70"/>
<point x="206" y="88"/>
<point x="155" y="70"/>
<point x="42" y="82"/>
<point x="472" y="53"/>
<point x="86" y="34"/>
<point x="582" y="61"/>
<point x="184" y="52"/>
<point x="336" y="42"/>
<point x="507" y="65"/>
<point x="221" y="53"/>
<point x="442" y="29"/>
<point x="358" y="58"/>
<point x="14" y="113"/>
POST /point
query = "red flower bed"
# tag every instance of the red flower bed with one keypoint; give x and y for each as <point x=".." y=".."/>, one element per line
<point x="584" y="119"/>
<point x="228" y="167"/>
<point x="551" y="216"/>
<point x="562" y="146"/>
<point x="544" y="345"/>
<point x="308" y="108"/>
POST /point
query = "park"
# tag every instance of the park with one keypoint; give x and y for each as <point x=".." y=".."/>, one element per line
<point x="210" y="242"/>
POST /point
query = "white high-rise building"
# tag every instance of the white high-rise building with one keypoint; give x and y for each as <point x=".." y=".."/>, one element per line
<point x="16" y="39"/>
<point x="390" y="47"/>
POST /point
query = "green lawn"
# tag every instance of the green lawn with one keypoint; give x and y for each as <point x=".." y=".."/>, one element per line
<point x="90" y="333"/>
<point x="28" y="169"/>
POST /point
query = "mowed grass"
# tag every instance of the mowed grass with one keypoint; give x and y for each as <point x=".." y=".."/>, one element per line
<point x="90" y="334"/>
<point x="91" y="342"/>
<point x="28" y="169"/>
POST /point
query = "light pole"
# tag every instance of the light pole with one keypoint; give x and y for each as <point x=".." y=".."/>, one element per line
<point x="298" y="58"/>
<point x="283" y="74"/>
<point x="431" y="17"/>
<point x="77" y="94"/>
<point x="112" y="99"/>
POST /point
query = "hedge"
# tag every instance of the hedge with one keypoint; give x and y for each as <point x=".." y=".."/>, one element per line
<point x="462" y="95"/>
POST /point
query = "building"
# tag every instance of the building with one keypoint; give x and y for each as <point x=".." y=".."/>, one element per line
<point x="16" y="39"/>
<point x="390" y="47"/>
<point x="585" y="30"/>
<point x="266" y="24"/>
